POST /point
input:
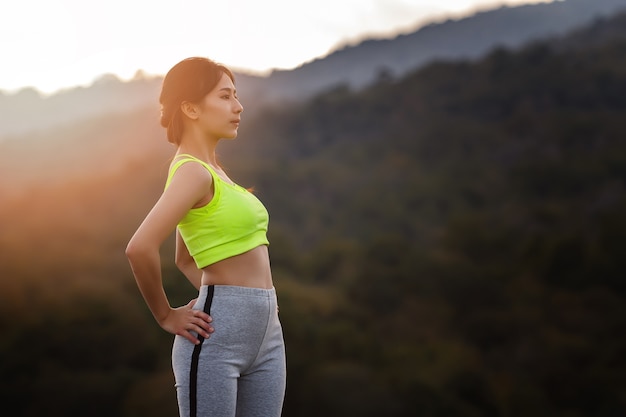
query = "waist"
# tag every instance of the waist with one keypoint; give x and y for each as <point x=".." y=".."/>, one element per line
<point x="250" y="269"/>
<point x="236" y="291"/>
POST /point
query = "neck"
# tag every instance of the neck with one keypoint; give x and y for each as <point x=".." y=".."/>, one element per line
<point x="201" y="148"/>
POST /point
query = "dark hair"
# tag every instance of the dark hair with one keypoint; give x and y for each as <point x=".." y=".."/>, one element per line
<point x="189" y="80"/>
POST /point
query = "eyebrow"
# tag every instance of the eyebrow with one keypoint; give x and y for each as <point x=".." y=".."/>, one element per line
<point x="228" y="89"/>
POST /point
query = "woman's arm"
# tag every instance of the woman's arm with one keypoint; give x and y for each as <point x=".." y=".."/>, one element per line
<point x="185" y="262"/>
<point x="190" y="184"/>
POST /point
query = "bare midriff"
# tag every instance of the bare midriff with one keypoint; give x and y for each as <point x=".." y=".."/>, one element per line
<point x="250" y="269"/>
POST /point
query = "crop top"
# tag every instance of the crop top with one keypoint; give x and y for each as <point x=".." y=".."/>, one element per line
<point x="233" y="222"/>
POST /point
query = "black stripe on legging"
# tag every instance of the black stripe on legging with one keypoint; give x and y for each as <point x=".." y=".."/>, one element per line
<point x="193" y="375"/>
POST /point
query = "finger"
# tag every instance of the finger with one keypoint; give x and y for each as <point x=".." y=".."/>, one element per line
<point x="202" y="315"/>
<point x="205" y="317"/>
<point x="187" y="335"/>
<point x="204" y="327"/>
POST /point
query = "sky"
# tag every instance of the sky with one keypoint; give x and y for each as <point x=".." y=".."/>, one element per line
<point x="51" y="45"/>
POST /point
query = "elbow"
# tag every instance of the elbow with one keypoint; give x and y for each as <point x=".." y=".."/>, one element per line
<point x="131" y="251"/>
<point x="135" y="250"/>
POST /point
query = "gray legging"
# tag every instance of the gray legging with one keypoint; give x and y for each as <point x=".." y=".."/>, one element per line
<point x="240" y="370"/>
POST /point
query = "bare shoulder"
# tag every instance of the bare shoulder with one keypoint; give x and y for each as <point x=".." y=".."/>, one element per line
<point x="191" y="173"/>
<point x="190" y="183"/>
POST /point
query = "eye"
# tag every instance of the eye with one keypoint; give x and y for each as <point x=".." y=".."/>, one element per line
<point x="226" y="97"/>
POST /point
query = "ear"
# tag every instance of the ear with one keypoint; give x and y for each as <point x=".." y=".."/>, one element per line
<point x="190" y="110"/>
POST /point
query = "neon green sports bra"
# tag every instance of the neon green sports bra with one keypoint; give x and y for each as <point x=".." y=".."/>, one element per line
<point x="233" y="222"/>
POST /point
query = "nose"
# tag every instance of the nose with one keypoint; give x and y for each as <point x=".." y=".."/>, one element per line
<point x="238" y="107"/>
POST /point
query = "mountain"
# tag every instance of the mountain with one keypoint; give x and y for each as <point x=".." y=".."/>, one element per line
<point x="466" y="38"/>
<point x="107" y="95"/>
<point x="355" y="66"/>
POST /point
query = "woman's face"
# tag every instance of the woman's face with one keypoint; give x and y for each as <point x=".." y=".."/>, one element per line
<point x="221" y="110"/>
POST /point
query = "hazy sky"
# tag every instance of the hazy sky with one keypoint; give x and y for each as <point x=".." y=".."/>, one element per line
<point x="53" y="44"/>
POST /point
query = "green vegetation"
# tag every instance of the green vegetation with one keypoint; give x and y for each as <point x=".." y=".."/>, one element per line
<point x="448" y="244"/>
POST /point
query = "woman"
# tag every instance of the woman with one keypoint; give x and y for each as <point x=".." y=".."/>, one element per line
<point x="228" y="355"/>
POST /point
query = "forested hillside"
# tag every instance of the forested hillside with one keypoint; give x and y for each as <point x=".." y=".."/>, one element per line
<point x="445" y="244"/>
<point x="473" y="214"/>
